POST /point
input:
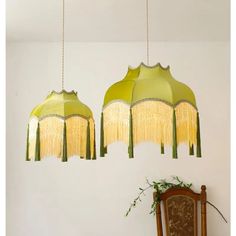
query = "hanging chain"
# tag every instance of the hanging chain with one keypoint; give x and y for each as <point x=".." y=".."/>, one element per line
<point x="147" y="21"/>
<point x="63" y="45"/>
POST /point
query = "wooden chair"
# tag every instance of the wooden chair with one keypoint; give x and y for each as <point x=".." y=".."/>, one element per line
<point x="180" y="209"/>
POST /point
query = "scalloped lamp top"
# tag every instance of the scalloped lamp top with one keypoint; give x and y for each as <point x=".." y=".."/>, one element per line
<point x="62" y="104"/>
<point x="149" y="82"/>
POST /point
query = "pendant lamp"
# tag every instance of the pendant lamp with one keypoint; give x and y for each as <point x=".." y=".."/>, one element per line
<point x="62" y="126"/>
<point x="150" y="105"/>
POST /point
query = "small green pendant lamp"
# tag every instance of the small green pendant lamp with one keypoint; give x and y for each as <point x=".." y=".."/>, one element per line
<point x="62" y="126"/>
<point x="150" y="105"/>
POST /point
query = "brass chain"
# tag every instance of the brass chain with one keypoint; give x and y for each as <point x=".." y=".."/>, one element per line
<point x="147" y="21"/>
<point x="63" y="45"/>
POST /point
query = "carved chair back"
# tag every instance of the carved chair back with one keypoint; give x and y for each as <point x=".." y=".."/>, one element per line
<point x="181" y="212"/>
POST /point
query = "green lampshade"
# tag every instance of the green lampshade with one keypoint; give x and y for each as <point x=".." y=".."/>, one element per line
<point x="62" y="104"/>
<point x="146" y="82"/>
<point x="162" y="110"/>
<point x="61" y="126"/>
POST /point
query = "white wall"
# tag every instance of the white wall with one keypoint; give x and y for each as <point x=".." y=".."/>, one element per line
<point x="89" y="198"/>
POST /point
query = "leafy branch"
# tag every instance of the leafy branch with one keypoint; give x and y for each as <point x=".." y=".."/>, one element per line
<point x="160" y="187"/>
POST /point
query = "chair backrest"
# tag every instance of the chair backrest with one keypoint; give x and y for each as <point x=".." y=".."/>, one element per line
<point x="181" y="214"/>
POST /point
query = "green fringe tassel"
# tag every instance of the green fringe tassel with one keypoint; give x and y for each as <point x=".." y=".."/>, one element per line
<point x="162" y="148"/>
<point x="199" y="152"/>
<point x="27" y="145"/>
<point x="191" y="150"/>
<point x="131" y="146"/>
<point x="94" y="146"/>
<point x="37" y="144"/>
<point x="174" y="145"/>
<point x="88" y="151"/>
<point x="64" y="153"/>
<point x="103" y="150"/>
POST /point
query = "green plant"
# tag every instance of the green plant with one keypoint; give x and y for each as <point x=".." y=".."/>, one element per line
<point x="159" y="187"/>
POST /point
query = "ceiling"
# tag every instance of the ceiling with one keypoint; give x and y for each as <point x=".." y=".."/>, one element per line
<point x="118" y="20"/>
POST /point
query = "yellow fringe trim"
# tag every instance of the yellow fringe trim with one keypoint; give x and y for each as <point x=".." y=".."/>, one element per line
<point x="186" y="123"/>
<point x="51" y="136"/>
<point x="116" y="123"/>
<point x="92" y="137"/>
<point x="152" y="121"/>
<point x="76" y="136"/>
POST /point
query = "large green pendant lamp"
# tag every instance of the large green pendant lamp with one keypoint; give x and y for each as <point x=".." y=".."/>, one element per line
<point x="62" y="126"/>
<point x="150" y="105"/>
